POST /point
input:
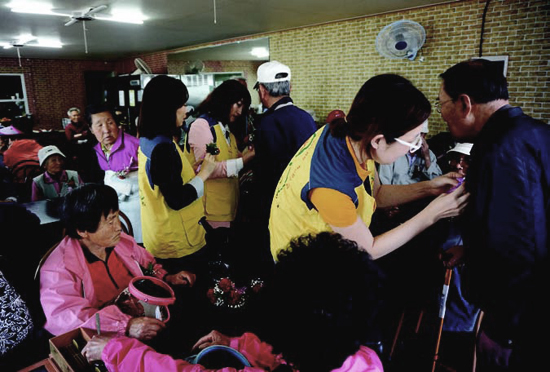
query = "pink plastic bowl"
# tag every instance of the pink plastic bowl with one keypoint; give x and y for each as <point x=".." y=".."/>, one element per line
<point x="150" y="299"/>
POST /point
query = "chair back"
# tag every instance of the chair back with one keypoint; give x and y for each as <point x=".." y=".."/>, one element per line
<point x="44" y="258"/>
<point x="126" y="224"/>
<point x="23" y="173"/>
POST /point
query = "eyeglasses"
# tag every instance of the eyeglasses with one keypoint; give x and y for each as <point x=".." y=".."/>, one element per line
<point x="412" y="146"/>
<point x="438" y="104"/>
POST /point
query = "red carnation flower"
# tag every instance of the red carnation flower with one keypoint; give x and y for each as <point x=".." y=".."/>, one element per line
<point x="210" y="295"/>
<point x="225" y="285"/>
<point x="234" y="297"/>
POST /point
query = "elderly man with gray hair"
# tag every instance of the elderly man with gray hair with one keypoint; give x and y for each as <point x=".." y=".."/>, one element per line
<point x="77" y="131"/>
<point x="282" y="129"/>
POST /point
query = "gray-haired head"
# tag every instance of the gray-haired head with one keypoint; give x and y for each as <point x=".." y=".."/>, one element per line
<point x="73" y="109"/>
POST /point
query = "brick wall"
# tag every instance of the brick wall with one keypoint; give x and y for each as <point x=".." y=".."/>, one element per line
<point x="330" y="62"/>
<point x="53" y="86"/>
<point x="335" y="59"/>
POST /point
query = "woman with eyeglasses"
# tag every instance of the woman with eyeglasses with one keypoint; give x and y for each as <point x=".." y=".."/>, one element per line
<point x="331" y="184"/>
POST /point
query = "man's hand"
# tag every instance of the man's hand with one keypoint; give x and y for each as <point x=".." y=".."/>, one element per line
<point x="490" y="353"/>
<point x="181" y="278"/>
<point x="144" y="328"/>
<point x="453" y="256"/>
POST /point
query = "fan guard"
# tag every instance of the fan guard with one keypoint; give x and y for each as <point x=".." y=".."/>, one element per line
<point x="401" y="39"/>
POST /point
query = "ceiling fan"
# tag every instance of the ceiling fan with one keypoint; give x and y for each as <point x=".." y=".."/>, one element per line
<point x="29" y="41"/>
<point x="87" y="15"/>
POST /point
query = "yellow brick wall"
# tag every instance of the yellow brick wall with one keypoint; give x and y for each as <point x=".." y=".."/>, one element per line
<point x="330" y="62"/>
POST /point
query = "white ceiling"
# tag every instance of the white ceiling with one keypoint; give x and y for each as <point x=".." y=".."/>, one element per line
<point x="173" y="24"/>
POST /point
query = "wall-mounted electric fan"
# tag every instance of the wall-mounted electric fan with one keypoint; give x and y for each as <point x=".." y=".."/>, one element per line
<point x="401" y="39"/>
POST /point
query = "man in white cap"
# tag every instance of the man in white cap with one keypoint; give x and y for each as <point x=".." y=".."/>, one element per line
<point x="458" y="157"/>
<point x="282" y="129"/>
<point x="420" y="165"/>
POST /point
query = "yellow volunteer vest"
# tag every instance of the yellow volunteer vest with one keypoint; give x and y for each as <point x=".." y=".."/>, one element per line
<point x="221" y="195"/>
<point x="290" y="216"/>
<point x="168" y="233"/>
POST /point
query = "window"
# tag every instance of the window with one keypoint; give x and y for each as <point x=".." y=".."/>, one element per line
<point x="12" y="91"/>
<point x="502" y="61"/>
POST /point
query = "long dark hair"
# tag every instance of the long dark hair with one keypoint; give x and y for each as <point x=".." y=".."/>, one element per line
<point x="386" y="104"/>
<point x="162" y="97"/>
<point x="218" y="103"/>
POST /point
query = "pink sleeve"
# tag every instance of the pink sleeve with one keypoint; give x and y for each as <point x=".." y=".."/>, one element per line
<point x="364" y="359"/>
<point x="144" y="257"/>
<point x="200" y="136"/>
<point x="258" y="353"/>
<point x="36" y="192"/>
<point x="65" y="308"/>
<point x="129" y="354"/>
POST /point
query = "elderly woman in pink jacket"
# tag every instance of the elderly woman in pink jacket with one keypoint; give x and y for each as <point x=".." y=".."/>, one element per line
<point x="309" y="322"/>
<point x="93" y="264"/>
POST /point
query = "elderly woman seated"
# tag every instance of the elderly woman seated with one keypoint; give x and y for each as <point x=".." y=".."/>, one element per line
<point x="92" y="265"/>
<point x="55" y="181"/>
<point x="116" y="161"/>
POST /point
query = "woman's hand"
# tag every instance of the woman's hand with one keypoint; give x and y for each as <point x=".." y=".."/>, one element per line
<point x="144" y="328"/>
<point x="448" y="205"/>
<point x="94" y="348"/>
<point x="444" y="183"/>
<point x="207" y="166"/>
<point x="181" y="278"/>
<point x="248" y="154"/>
<point x="213" y="338"/>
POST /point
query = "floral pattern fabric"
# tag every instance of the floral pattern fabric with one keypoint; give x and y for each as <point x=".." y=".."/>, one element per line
<point x="15" y="319"/>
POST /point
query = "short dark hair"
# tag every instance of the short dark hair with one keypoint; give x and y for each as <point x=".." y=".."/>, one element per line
<point x="96" y="108"/>
<point x="481" y="79"/>
<point x="162" y="97"/>
<point x="83" y="207"/>
<point x="321" y="301"/>
<point x="386" y="104"/>
<point x="218" y="103"/>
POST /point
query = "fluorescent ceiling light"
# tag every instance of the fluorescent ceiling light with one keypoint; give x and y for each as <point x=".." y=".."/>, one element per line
<point x="24" y="40"/>
<point x="46" y="45"/>
<point x="137" y="21"/>
<point x="38" y="11"/>
<point x="259" y="52"/>
<point x="33" y="8"/>
<point x="123" y="16"/>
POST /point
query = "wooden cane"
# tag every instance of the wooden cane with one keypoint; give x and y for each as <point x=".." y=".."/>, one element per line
<point x="442" y="307"/>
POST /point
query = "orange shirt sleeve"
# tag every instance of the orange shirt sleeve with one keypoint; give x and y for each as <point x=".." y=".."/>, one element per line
<point x="335" y="208"/>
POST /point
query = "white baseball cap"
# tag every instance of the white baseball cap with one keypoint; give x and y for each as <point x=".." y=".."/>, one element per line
<point x="272" y="72"/>
<point x="463" y="148"/>
<point x="46" y="152"/>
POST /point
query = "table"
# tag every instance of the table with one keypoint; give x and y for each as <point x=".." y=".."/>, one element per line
<point x="39" y="209"/>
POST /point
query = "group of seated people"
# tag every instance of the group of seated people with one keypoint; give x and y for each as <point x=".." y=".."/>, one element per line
<point x="320" y="303"/>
